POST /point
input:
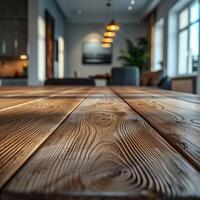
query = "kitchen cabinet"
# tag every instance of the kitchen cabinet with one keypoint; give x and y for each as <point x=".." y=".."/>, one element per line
<point x="13" y="38"/>
<point x="13" y="9"/>
<point x="13" y="25"/>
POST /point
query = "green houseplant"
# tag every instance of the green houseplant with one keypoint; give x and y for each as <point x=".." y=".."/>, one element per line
<point x="136" y="54"/>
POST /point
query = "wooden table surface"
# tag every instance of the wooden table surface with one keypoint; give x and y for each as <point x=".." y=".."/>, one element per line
<point x="68" y="143"/>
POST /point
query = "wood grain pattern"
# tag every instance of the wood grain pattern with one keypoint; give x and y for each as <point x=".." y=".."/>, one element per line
<point x="171" y="94"/>
<point x="176" y="120"/>
<point x="24" y="129"/>
<point x="105" y="149"/>
<point x="8" y="103"/>
<point x="15" y="196"/>
<point x="13" y="98"/>
<point x="32" y="91"/>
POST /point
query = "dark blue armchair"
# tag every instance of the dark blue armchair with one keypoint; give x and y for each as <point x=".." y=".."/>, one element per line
<point x="125" y="76"/>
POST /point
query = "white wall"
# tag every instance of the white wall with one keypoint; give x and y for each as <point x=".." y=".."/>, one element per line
<point x="198" y="80"/>
<point x="33" y="42"/>
<point x="158" y="46"/>
<point x="37" y="63"/>
<point x="76" y="34"/>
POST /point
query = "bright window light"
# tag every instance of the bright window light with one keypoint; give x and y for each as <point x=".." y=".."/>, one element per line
<point x="183" y="19"/>
<point x="194" y="12"/>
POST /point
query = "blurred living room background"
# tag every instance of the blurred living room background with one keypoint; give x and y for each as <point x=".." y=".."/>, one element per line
<point x="111" y="42"/>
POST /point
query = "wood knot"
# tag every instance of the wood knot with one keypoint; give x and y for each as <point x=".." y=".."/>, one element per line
<point x="104" y="119"/>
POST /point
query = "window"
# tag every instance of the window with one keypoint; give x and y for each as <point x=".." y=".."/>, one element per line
<point x="158" y="50"/>
<point x="189" y="38"/>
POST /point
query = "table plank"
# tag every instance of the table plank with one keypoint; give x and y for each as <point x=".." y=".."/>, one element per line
<point x="8" y="103"/>
<point x="165" y="93"/>
<point x="33" y="91"/>
<point x="23" y="96"/>
<point x="176" y="120"/>
<point x="177" y="95"/>
<point x="104" y="149"/>
<point x="24" y="129"/>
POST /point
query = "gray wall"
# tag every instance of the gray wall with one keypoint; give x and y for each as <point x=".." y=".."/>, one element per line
<point x="37" y="38"/>
<point x="76" y="34"/>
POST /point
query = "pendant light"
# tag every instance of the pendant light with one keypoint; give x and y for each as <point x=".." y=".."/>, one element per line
<point x="106" y="45"/>
<point x="111" y="34"/>
<point x="107" y="40"/>
<point x="113" y="25"/>
<point x="108" y="35"/>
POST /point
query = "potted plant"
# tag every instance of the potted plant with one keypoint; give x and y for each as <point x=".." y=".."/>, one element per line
<point x="135" y="54"/>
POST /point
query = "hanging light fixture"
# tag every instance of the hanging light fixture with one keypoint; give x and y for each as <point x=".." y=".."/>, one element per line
<point x="107" y="40"/>
<point x="109" y="34"/>
<point x="113" y="25"/>
<point x="111" y="29"/>
<point x="106" y="45"/>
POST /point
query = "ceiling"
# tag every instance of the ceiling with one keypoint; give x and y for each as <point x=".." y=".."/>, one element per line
<point x="95" y="11"/>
